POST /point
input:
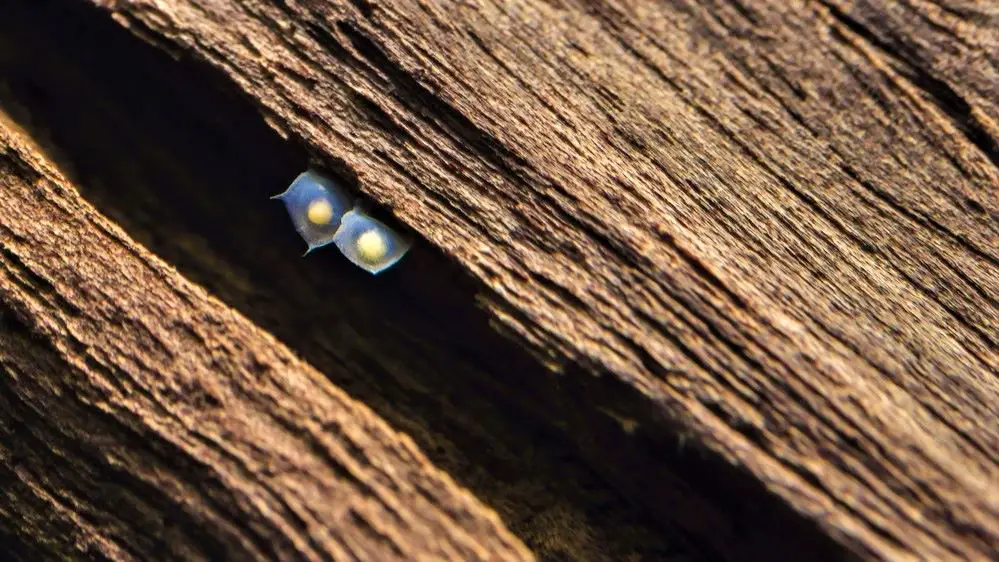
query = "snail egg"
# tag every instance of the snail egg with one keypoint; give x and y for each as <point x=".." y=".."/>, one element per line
<point x="316" y="205"/>
<point x="320" y="212"/>
<point x="369" y="243"/>
<point x="324" y="213"/>
<point x="371" y="246"/>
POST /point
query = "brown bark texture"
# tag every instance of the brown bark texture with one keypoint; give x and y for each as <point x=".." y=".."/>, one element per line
<point x="751" y="247"/>
<point x="158" y="388"/>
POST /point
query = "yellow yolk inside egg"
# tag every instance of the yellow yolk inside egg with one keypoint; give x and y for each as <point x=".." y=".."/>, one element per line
<point x="371" y="246"/>
<point x="320" y="212"/>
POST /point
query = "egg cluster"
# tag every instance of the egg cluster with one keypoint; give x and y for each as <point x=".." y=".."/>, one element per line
<point x="324" y="213"/>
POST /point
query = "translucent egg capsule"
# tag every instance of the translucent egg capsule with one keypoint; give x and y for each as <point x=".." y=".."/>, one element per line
<point x="368" y="243"/>
<point x="316" y="205"/>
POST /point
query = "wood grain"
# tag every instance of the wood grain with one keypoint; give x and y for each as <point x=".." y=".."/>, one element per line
<point x="764" y="231"/>
<point x="187" y="169"/>
<point x="142" y="419"/>
<point x="746" y="211"/>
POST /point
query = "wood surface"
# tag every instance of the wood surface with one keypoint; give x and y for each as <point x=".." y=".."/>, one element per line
<point x="765" y="232"/>
<point x="157" y="390"/>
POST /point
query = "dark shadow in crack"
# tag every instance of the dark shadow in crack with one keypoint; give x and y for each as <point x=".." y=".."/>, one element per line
<point x="167" y="150"/>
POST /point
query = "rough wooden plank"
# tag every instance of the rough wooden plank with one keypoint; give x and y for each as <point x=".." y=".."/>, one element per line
<point x="740" y="209"/>
<point x="949" y="50"/>
<point x="141" y="418"/>
<point x="186" y="169"/>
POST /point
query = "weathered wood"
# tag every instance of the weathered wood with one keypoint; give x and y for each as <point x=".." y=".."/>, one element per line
<point x="747" y="211"/>
<point x="187" y="170"/>
<point x="948" y="50"/>
<point x="141" y="418"/>
<point x="774" y="224"/>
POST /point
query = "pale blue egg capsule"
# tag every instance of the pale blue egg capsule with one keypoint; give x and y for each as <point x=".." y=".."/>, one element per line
<point x="316" y="205"/>
<point x="368" y="243"/>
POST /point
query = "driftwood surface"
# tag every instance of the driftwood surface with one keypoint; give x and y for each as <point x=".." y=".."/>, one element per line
<point x="116" y="350"/>
<point x="413" y="347"/>
<point x="750" y="246"/>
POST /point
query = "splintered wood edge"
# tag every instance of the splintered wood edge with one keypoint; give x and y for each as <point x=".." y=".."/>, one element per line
<point x="107" y="349"/>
